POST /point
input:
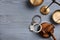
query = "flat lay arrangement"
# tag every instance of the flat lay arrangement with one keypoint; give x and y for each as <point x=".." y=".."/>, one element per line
<point x="29" y="19"/>
<point x="45" y="29"/>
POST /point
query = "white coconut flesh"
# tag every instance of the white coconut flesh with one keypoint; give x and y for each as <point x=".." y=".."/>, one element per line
<point x="56" y="16"/>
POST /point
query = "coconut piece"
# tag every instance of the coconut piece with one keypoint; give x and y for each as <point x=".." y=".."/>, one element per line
<point x="56" y="16"/>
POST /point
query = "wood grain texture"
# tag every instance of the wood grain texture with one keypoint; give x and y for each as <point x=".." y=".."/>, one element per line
<point x="15" y="17"/>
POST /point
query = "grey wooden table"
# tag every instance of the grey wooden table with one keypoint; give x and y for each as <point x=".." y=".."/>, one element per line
<point x="15" y="17"/>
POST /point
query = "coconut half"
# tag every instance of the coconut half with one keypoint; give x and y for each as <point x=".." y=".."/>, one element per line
<point x="56" y="16"/>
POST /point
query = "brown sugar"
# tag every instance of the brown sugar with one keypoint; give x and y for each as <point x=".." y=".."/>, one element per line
<point x="47" y="30"/>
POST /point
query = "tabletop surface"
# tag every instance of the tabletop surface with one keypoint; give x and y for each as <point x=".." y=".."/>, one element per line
<point x="15" y="18"/>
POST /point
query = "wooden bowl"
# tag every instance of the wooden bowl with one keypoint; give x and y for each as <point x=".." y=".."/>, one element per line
<point x="44" y="10"/>
<point x="36" y="2"/>
<point x="46" y="29"/>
